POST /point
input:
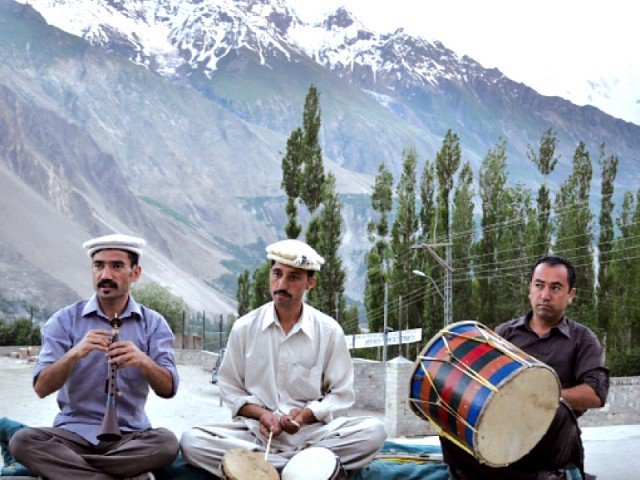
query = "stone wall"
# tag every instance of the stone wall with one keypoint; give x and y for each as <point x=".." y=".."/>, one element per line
<point x="369" y="384"/>
<point x="622" y="407"/>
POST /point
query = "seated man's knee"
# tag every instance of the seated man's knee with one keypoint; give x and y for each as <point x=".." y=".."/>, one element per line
<point x="188" y="442"/>
<point x="376" y="433"/>
<point x="21" y="442"/>
<point x="168" y="444"/>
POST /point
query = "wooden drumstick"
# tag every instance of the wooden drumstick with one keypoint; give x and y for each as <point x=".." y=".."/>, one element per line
<point x="266" y="453"/>
<point x="294" y="422"/>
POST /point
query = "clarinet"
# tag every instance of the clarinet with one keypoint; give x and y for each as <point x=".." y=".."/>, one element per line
<point x="110" y="430"/>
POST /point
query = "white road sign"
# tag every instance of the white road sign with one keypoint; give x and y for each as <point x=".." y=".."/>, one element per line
<point x="366" y="340"/>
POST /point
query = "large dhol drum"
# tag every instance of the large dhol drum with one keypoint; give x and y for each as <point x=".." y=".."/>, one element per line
<point x="239" y="464"/>
<point x="314" y="463"/>
<point x="483" y="393"/>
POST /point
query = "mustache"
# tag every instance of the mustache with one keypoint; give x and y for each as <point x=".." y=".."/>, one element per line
<point x="107" y="284"/>
<point x="282" y="292"/>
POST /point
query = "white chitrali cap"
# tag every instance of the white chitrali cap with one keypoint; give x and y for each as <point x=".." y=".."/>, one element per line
<point x="295" y="254"/>
<point x="115" y="241"/>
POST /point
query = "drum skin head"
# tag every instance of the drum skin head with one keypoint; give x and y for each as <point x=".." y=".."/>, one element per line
<point x="314" y="463"/>
<point x="517" y="417"/>
<point x="239" y="464"/>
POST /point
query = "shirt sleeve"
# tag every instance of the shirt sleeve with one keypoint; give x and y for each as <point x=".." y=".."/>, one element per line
<point x="160" y="344"/>
<point x="337" y="381"/>
<point x="231" y="375"/>
<point x="589" y="365"/>
<point x="55" y="342"/>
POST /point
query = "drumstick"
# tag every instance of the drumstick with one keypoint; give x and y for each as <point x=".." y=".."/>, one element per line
<point x="294" y="422"/>
<point x="266" y="453"/>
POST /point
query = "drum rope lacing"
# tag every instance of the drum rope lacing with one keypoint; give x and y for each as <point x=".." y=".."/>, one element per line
<point x="465" y="369"/>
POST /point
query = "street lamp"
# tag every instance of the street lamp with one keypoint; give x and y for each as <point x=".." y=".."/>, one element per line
<point x="424" y="275"/>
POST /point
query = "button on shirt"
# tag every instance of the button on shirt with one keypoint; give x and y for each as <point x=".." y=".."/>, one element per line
<point x="308" y="367"/>
<point x="82" y="399"/>
<point x="570" y="348"/>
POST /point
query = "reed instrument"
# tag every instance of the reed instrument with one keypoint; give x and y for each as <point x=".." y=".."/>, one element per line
<point x="110" y="430"/>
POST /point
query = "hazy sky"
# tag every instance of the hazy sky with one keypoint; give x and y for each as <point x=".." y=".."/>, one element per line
<point x="555" y="46"/>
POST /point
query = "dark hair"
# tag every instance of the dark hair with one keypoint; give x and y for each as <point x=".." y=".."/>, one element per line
<point x="554" y="261"/>
<point x="133" y="257"/>
<point x="310" y="273"/>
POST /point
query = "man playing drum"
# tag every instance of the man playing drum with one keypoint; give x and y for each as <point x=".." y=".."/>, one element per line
<point x="74" y="360"/>
<point x="575" y="354"/>
<point x="287" y="374"/>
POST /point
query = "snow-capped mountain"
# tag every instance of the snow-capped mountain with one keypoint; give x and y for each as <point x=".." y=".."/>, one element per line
<point x="176" y="37"/>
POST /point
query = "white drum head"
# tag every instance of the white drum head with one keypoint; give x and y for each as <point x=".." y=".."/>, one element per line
<point x="239" y="464"/>
<point x="517" y="416"/>
<point x="314" y="463"/>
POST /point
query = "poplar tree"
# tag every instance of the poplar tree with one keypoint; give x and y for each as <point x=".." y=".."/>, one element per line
<point x="546" y="161"/>
<point x="447" y="164"/>
<point x="492" y="181"/>
<point x="328" y="294"/>
<point x="462" y="236"/>
<point x="431" y="306"/>
<point x="260" y="293"/>
<point x="378" y="229"/>
<point x="312" y="188"/>
<point x="291" y="177"/>
<point x="609" y="165"/>
<point x="403" y="234"/>
<point x="243" y="293"/>
<point x="575" y="233"/>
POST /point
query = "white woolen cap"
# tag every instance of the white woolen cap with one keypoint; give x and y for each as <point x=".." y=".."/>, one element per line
<point x="115" y="241"/>
<point x="295" y="254"/>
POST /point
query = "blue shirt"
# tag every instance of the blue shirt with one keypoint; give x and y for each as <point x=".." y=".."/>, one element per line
<point x="82" y="399"/>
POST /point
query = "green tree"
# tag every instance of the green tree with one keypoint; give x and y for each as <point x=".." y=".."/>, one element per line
<point x="546" y="161"/>
<point x="243" y="293"/>
<point x="352" y="320"/>
<point x="313" y="175"/>
<point x="291" y="177"/>
<point x="431" y="304"/>
<point x="260" y="293"/>
<point x="381" y="204"/>
<point x="575" y="234"/>
<point x="447" y="164"/>
<point x="159" y="298"/>
<point x="606" y="299"/>
<point x="462" y="237"/>
<point x="492" y="190"/>
<point x="329" y="290"/>
<point x="403" y="257"/>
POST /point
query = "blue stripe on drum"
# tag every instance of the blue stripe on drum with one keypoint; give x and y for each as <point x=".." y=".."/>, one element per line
<point x="481" y="397"/>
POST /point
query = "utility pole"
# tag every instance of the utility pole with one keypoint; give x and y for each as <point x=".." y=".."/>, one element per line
<point x="400" y="325"/>
<point x="448" y="279"/>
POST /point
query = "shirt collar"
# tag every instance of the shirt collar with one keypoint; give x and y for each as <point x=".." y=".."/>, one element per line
<point x="303" y="323"/>
<point x="93" y="306"/>
<point x="562" y="327"/>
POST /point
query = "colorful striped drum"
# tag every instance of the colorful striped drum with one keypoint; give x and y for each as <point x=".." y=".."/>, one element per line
<point x="483" y="393"/>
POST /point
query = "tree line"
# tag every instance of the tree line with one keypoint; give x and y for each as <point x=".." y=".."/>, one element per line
<point x="495" y="231"/>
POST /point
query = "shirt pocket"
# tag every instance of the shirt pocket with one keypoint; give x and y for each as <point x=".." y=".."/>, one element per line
<point x="305" y="384"/>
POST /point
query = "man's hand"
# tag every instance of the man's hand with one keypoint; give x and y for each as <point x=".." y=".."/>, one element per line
<point x="93" y="340"/>
<point x="127" y="354"/>
<point x="270" y="422"/>
<point x="297" y="417"/>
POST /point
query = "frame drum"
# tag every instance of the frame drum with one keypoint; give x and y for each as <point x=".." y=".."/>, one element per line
<point x="483" y="393"/>
<point x="314" y="463"/>
<point x="239" y="464"/>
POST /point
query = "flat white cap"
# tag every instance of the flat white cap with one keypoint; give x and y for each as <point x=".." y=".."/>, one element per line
<point x="115" y="241"/>
<point x="295" y="254"/>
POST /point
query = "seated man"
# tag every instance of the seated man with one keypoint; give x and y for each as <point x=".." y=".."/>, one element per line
<point x="75" y="360"/>
<point x="575" y="354"/>
<point x="287" y="373"/>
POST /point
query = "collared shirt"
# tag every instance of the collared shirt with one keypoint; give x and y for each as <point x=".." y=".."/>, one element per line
<point x="570" y="348"/>
<point x="82" y="399"/>
<point x="308" y="367"/>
